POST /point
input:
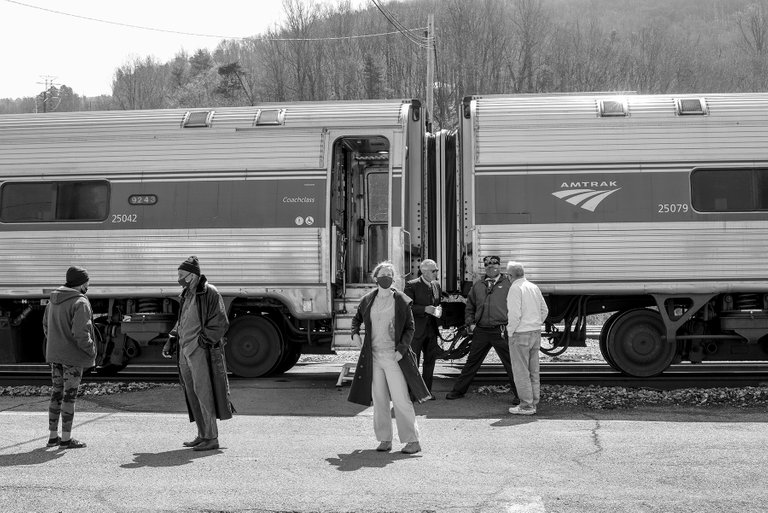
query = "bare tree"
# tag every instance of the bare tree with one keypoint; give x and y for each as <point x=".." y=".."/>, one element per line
<point x="753" y="28"/>
<point x="140" y="84"/>
<point x="531" y="22"/>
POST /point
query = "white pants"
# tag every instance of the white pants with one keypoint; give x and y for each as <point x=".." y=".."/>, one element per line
<point x="524" y="353"/>
<point x="389" y="383"/>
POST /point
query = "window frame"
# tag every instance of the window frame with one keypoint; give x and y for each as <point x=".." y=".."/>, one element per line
<point x="754" y="199"/>
<point x="55" y="205"/>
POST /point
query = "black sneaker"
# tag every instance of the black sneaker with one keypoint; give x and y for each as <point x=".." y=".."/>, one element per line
<point x="53" y="442"/>
<point x="71" y="444"/>
<point x="454" y="395"/>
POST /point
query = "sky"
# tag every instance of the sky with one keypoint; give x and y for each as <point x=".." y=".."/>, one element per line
<point x="84" y="54"/>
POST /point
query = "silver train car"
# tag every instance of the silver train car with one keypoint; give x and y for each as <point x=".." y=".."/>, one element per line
<point x="654" y="207"/>
<point x="288" y="207"/>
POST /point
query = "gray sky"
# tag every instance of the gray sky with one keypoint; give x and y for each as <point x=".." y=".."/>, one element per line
<point x="84" y="54"/>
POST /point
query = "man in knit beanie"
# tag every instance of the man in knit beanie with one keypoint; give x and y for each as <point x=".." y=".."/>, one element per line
<point x="197" y="341"/>
<point x="70" y="348"/>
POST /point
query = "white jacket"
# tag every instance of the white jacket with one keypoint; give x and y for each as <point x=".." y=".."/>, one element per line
<point x="526" y="308"/>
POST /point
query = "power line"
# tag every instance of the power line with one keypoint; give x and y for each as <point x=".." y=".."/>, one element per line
<point x="332" y="38"/>
<point x="216" y="36"/>
<point x="422" y="42"/>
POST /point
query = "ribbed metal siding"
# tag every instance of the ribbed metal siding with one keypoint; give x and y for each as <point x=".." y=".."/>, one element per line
<point x="566" y="130"/>
<point x="153" y="141"/>
<point x="298" y="115"/>
<point x="232" y="259"/>
<point x="632" y="257"/>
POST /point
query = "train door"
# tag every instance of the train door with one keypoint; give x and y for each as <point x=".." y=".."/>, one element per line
<point x="360" y="209"/>
<point x="361" y="224"/>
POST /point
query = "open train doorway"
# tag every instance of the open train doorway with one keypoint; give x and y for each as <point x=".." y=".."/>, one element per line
<point x="360" y="209"/>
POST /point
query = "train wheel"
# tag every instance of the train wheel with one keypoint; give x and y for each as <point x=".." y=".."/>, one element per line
<point x="291" y="355"/>
<point x="636" y="344"/>
<point x="254" y="346"/>
<point x="604" y="339"/>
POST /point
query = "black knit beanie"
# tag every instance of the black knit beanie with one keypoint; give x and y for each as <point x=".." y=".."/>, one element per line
<point x="191" y="264"/>
<point x="76" y="276"/>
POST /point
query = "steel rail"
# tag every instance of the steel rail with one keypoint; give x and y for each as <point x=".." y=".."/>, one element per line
<point x="704" y="375"/>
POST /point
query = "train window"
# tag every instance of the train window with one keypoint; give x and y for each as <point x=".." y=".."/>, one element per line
<point x="197" y="119"/>
<point x="613" y="108"/>
<point x="270" y="117"/>
<point x="691" y="106"/>
<point x="729" y="190"/>
<point x="377" y="193"/>
<point x="27" y="202"/>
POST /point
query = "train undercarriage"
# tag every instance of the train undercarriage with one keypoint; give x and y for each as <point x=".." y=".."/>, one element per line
<point x="263" y="338"/>
<point x="645" y="334"/>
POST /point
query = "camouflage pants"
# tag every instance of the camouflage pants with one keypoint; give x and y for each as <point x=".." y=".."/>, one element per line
<point x="66" y="381"/>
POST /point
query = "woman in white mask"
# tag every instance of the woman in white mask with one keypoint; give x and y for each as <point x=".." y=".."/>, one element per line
<point x="386" y="369"/>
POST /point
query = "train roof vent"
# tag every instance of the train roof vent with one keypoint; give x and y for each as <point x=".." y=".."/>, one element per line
<point x="691" y="106"/>
<point x="197" y="119"/>
<point x="616" y="107"/>
<point x="270" y="117"/>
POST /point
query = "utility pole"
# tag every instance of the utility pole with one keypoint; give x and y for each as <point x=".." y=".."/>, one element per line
<point x="430" y="65"/>
<point x="47" y="84"/>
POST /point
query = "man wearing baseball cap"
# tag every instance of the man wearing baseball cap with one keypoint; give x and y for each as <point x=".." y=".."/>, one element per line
<point x="485" y="316"/>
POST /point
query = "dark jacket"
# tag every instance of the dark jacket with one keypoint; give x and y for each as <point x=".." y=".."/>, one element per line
<point x="422" y="296"/>
<point x="213" y="315"/>
<point x="488" y="307"/>
<point x="68" y="326"/>
<point x="213" y="326"/>
<point x="360" y="391"/>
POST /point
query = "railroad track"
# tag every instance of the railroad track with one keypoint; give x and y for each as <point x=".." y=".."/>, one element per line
<point x="704" y="375"/>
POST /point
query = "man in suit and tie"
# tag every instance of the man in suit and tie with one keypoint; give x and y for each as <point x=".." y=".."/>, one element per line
<point x="425" y="293"/>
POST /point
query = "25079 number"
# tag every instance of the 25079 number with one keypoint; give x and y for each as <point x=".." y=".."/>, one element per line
<point x="124" y="218"/>
<point x="673" y="208"/>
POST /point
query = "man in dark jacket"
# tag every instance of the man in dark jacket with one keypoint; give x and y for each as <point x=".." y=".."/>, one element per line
<point x="486" y="319"/>
<point x="425" y="293"/>
<point x="198" y="335"/>
<point x="70" y="348"/>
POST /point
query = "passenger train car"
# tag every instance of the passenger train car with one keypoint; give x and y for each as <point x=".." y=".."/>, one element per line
<point x="288" y="207"/>
<point x="653" y="208"/>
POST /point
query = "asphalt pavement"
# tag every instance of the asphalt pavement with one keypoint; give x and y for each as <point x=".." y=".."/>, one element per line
<point x="297" y="445"/>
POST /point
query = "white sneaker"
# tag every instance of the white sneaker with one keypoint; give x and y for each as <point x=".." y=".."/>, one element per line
<point x="517" y="410"/>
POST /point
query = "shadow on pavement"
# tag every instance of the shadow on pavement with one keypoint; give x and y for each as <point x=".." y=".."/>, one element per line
<point x="174" y="458"/>
<point x="36" y="456"/>
<point x="368" y="458"/>
<point x="513" y="420"/>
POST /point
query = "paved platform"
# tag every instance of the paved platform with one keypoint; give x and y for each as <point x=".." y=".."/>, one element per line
<point x="297" y="445"/>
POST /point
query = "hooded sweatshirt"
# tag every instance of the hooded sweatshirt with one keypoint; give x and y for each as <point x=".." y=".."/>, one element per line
<point x="68" y="325"/>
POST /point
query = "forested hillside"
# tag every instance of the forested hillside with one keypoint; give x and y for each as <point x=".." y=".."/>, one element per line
<point x="481" y="47"/>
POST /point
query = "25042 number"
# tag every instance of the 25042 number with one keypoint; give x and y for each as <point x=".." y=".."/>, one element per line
<point x="124" y="218"/>
<point x="673" y="208"/>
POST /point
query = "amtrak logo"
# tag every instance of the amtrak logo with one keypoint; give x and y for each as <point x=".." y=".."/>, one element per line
<point x="584" y="195"/>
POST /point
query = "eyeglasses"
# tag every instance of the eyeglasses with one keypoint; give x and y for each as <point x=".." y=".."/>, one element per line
<point x="431" y="270"/>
